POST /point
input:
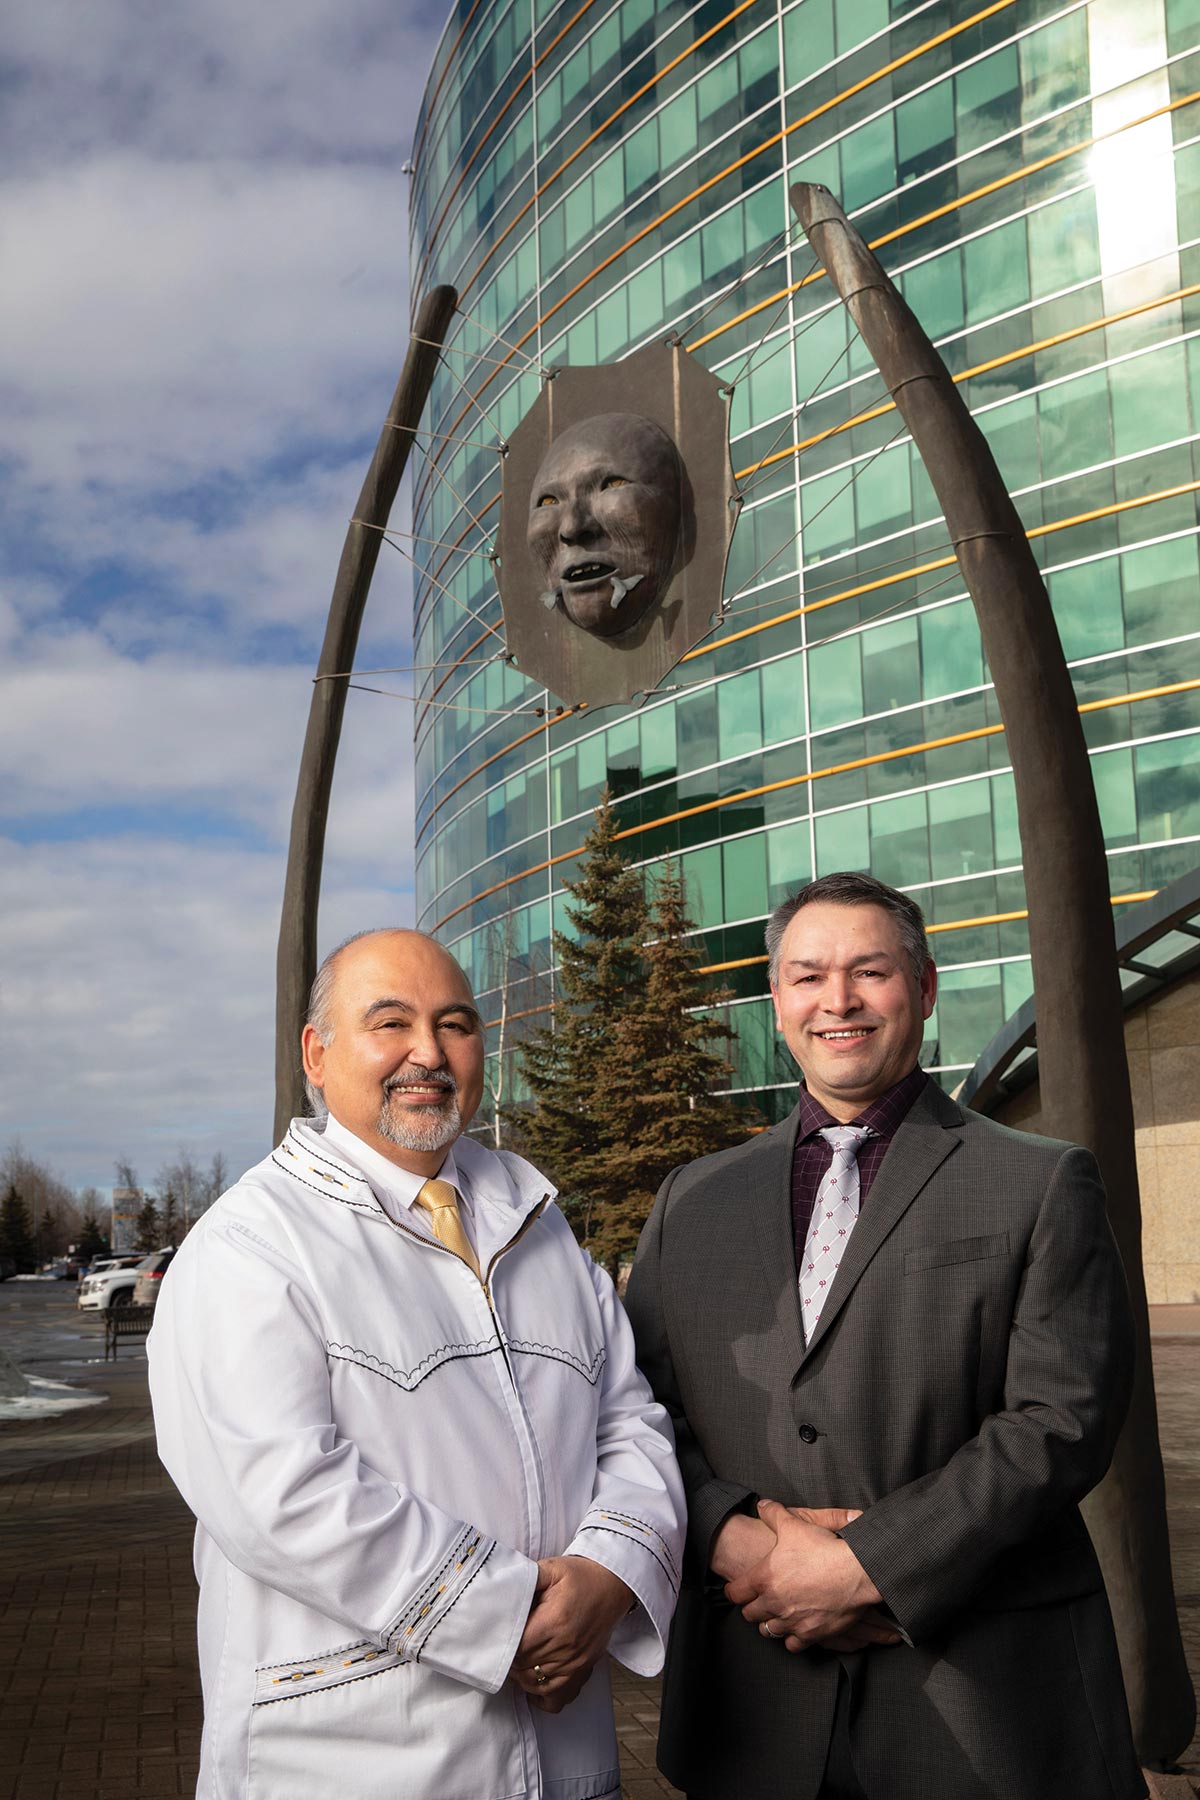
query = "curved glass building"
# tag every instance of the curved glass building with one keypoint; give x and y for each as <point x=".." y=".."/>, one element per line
<point x="592" y="177"/>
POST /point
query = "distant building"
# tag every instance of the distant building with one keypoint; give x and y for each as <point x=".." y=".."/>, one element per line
<point x="126" y="1204"/>
<point x="594" y="177"/>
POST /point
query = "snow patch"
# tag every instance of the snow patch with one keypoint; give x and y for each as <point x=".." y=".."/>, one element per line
<point x="47" y="1398"/>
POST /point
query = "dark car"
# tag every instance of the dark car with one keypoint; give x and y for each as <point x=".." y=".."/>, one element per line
<point x="150" y="1272"/>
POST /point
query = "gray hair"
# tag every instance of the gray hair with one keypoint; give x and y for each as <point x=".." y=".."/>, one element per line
<point x="320" y="998"/>
<point x="852" y="888"/>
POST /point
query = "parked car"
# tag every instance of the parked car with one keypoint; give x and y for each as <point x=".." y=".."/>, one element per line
<point x="109" y="1282"/>
<point x="149" y="1277"/>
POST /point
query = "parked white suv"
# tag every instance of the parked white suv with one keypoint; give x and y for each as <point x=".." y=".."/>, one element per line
<point x="109" y="1283"/>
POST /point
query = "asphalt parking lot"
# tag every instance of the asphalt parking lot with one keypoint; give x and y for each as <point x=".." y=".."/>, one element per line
<point x="99" y="1687"/>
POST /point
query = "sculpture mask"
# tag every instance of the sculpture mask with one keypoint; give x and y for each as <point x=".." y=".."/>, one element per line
<point x="604" y="516"/>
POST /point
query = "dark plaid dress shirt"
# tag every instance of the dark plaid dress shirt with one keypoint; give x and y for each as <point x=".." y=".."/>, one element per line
<point x="813" y="1155"/>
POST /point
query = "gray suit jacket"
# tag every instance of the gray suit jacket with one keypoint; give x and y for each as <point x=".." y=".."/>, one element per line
<point x="964" y="1387"/>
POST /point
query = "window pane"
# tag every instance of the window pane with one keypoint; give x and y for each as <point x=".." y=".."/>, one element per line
<point x="658" y="743"/>
<point x="789" y="864"/>
<point x="970" y="1012"/>
<point x="996" y="269"/>
<point x="783" y="700"/>
<point x="934" y="291"/>
<point x="1112" y="774"/>
<point x="987" y="99"/>
<point x="1063" y="242"/>
<point x="843" y="841"/>
<point x="1087" y="607"/>
<point x="1149" y="400"/>
<point x="835" y="682"/>
<point x="739" y="714"/>
<point x="1168" y="788"/>
<point x="1162" y="584"/>
<point x="960" y="829"/>
<point x="891" y="664"/>
<point x="745" y="863"/>
<point x="702" y="877"/>
<point x="1069" y="416"/>
<point x="951" y="653"/>
<point x="869" y="162"/>
<point x="900" y="841"/>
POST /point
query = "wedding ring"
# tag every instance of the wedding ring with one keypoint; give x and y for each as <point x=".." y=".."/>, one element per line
<point x="538" y="1675"/>
<point x="766" y="1631"/>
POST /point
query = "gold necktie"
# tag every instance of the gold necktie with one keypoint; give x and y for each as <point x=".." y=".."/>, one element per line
<point x="440" y="1200"/>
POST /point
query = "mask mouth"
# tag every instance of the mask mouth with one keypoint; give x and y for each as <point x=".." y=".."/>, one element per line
<point x="586" y="574"/>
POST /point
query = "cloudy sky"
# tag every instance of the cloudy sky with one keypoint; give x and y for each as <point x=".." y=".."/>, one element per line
<point x="203" y="225"/>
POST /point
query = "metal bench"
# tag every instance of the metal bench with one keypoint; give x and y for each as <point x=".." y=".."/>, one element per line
<point x="125" y="1322"/>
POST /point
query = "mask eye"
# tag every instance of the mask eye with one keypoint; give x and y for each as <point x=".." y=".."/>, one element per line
<point x="612" y="481"/>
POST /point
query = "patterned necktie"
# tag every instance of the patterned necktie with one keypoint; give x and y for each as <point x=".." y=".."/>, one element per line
<point x="440" y="1200"/>
<point x="834" y="1213"/>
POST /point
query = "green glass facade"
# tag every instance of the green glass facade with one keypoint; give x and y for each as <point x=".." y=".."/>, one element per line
<point x="592" y="177"/>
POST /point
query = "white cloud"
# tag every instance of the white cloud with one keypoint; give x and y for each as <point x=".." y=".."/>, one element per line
<point x="183" y="321"/>
<point x="203" y="226"/>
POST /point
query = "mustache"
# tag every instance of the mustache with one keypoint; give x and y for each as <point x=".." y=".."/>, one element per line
<point x="420" y="1077"/>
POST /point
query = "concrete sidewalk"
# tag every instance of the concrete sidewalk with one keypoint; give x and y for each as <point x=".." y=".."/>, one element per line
<point x="99" y="1688"/>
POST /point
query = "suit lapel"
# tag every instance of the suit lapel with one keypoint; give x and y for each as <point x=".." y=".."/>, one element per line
<point x="768" y="1175"/>
<point x="920" y="1146"/>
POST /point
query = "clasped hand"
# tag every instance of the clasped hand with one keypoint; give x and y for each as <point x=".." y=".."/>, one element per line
<point x="788" y="1570"/>
<point x="575" y="1605"/>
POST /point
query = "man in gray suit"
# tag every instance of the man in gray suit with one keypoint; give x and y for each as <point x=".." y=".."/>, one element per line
<point x="886" y="1422"/>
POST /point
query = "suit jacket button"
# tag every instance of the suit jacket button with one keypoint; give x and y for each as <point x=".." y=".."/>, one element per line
<point x="809" y="1434"/>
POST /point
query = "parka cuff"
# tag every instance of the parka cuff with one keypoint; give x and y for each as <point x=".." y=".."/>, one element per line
<point x="635" y="1550"/>
<point x="467" y="1619"/>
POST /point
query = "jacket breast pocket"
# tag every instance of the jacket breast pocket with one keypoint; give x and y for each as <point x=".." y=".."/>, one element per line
<point x="958" y="1250"/>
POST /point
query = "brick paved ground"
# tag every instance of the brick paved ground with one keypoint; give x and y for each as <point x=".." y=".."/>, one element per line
<point x="99" y="1690"/>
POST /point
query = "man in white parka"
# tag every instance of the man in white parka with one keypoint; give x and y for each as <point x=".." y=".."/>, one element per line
<point x="431" y="1486"/>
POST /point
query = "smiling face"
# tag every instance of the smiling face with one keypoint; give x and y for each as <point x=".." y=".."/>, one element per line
<point x="849" y="1004"/>
<point x="604" y="516"/>
<point x="401" y="1064"/>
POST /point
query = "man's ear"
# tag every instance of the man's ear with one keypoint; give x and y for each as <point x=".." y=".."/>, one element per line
<point x="775" y="1004"/>
<point x="312" y="1053"/>
<point x="928" y="988"/>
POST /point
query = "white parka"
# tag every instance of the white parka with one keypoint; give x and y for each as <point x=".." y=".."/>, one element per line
<point x="378" y="1448"/>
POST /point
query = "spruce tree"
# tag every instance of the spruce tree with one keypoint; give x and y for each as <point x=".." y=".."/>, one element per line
<point x="48" y="1234"/>
<point x="568" y="1064"/>
<point x="172" y="1224"/>
<point x="16" y="1230"/>
<point x="92" y="1241"/>
<point x="622" y="1080"/>
<point x="149" y="1230"/>
<point x="663" y="1110"/>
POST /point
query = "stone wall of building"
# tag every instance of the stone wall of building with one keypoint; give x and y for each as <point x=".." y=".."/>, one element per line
<point x="1162" y="1037"/>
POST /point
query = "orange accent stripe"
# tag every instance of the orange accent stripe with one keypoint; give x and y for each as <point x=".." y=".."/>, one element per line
<point x="683" y="55"/>
<point x="790" y="781"/>
<point x="747" y="962"/>
<point x="940" y="212"/>
<point x="863" y="418"/>
<point x="465" y="170"/>
<point x="523" y="739"/>
<point x="446" y="66"/>
<point x="888" y="237"/>
<point x="941" y="562"/>
<point x="983" y="368"/>
<point x="777" y="137"/>
<point x="852" y="593"/>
